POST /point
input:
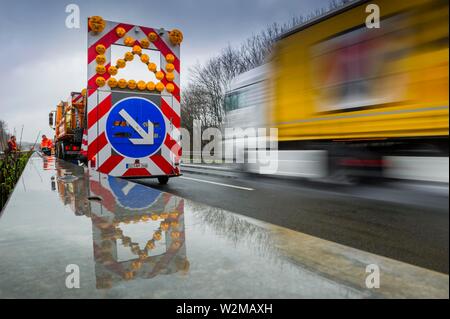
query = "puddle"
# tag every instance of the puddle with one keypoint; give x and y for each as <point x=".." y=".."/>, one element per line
<point x="132" y="241"/>
<point x="67" y="178"/>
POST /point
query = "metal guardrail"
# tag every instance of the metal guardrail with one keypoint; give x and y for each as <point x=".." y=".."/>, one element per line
<point x="3" y="154"/>
<point x="196" y="157"/>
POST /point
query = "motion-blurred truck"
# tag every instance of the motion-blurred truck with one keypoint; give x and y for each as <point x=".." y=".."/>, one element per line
<point x="350" y="99"/>
<point x="68" y="121"/>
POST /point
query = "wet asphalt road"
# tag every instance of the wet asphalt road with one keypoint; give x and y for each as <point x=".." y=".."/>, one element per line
<point x="404" y="223"/>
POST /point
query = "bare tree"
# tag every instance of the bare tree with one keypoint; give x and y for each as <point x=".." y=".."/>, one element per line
<point x="4" y="135"/>
<point x="203" y="98"/>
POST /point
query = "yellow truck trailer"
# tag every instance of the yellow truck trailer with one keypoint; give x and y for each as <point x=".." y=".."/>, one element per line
<point x="338" y="79"/>
<point x="359" y="92"/>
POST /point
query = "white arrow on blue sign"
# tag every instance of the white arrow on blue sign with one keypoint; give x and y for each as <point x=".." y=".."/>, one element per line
<point x="135" y="127"/>
<point x="147" y="137"/>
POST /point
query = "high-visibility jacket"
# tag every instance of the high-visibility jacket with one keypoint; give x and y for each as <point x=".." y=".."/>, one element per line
<point x="12" y="146"/>
<point x="46" y="143"/>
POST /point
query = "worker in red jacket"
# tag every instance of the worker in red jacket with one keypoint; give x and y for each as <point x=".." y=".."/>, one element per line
<point x="12" y="145"/>
<point x="46" y="145"/>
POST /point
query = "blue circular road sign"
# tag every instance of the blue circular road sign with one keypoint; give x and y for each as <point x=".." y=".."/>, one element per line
<point x="135" y="127"/>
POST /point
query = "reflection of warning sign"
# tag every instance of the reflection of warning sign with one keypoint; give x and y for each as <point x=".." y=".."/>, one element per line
<point x="131" y="195"/>
<point x="135" y="241"/>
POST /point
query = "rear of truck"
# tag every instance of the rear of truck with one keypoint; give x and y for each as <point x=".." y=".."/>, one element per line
<point x="69" y="125"/>
<point x="133" y="125"/>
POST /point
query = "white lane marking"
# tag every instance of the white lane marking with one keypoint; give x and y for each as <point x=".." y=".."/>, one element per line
<point x="207" y="167"/>
<point x="215" y="183"/>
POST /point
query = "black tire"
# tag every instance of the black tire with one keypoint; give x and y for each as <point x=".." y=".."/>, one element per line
<point x="58" y="150"/>
<point x="47" y="151"/>
<point x="341" y="176"/>
<point x="63" y="154"/>
<point x="163" y="180"/>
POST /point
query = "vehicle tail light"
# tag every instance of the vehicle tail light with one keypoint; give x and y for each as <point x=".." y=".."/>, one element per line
<point x="93" y="162"/>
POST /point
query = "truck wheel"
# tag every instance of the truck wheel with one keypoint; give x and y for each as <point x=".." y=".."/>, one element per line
<point x="341" y="176"/>
<point x="163" y="180"/>
<point x="58" y="150"/>
<point x="62" y="154"/>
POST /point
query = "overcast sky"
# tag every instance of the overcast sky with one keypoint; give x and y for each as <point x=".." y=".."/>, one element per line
<point x="42" y="60"/>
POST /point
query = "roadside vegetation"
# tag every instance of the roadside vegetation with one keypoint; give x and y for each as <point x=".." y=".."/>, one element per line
<point x="11" y="166"/>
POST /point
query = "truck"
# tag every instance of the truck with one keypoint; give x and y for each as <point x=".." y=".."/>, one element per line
<point x="68" y="121"/>
<point x="352" y="101"/>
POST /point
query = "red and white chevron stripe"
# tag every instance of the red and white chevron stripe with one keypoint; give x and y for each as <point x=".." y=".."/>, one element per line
<point x="100" y="153"/>
<point x="76" y="98"/>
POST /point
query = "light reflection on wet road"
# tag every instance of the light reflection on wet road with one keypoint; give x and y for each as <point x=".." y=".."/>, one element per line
<point x="137" y="242"/>
<point x="399" y="222"/>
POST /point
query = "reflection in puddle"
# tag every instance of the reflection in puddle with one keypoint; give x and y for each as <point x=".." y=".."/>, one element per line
<point x="122" y="234"/>
<point x="48" y="162"/>
<point x="137" y="232"/>
<point x="238" y="231"/>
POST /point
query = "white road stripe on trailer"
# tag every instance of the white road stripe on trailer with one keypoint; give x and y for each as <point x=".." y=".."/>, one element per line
<point x="215" y="183"/>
